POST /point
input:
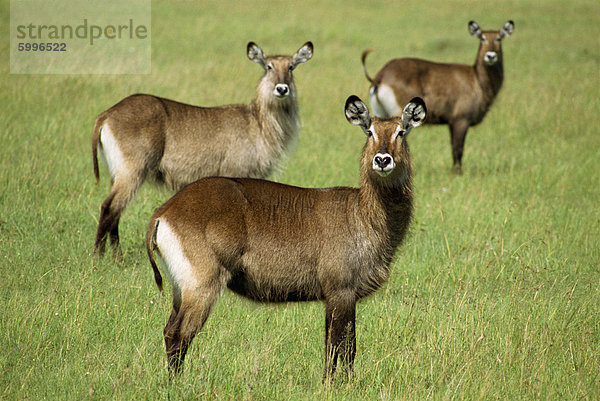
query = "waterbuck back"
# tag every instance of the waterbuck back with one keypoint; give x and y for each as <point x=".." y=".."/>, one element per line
<point x="148" y="136"/>
<point x="276" y="243"/>
<point x="456" y="94"/>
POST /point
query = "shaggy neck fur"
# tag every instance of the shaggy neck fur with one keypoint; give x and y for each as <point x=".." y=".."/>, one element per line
<point x="384" y="211"/>
<point x="490" y="77"/>
<point x="278" y="120"/>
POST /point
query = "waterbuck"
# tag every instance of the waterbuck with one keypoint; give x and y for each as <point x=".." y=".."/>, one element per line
<point x="456" y="94"/>
<point x="176" y="143"/>
<point x="271" y="242"/>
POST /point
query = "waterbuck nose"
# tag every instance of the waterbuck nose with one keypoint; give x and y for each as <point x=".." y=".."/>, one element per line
<point x="491" y="58"/>
<point x="383" y="164"/>
<point x="383" y="161"/>
<point x="282" y="89"/>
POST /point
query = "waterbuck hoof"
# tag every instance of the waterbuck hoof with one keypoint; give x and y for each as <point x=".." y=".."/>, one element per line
<point x="99" y="251"/>
<point x="457" y="169"/>
<point x="118" y="256"/>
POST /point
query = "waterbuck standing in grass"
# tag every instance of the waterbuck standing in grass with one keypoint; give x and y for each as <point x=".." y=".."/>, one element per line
<point x="176" y="143"/>
<point x="272" y="242"/>
<point x="456" y="94"/>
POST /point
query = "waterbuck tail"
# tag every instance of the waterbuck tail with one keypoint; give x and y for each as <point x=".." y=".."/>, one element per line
<point x="95" y="139"/>
<point x="362" y="59"/>
<point x="151" y="247"/>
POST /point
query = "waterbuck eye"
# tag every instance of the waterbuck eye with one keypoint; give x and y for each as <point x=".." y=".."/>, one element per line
<point x="291" y="67"/>
<point x="369" y="133"/>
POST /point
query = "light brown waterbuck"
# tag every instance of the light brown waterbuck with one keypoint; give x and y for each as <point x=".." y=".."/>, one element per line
<point x="271" y="242"/>
<point x="456" y="94"/>
<point x="176" y="143"/>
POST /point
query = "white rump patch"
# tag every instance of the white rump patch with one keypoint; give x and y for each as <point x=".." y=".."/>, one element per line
<point x="384" y="103"/>
<point x="110" y="151"/>
<point x="171" y="253"/>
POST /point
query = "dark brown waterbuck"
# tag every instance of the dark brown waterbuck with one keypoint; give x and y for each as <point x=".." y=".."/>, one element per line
<point x="271" y="242"/>
<point x="176" y="143"/>
<point x="456" y="94"/>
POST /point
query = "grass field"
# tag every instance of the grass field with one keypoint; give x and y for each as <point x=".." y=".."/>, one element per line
<point x="494" y="295"/>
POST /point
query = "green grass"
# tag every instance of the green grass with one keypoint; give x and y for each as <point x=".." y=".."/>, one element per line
<point x="494" y="295"/>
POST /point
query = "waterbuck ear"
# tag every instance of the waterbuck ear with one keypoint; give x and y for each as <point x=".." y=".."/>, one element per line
<point x="357" y="113"/>
<point x="255" y="54"/>
<point x="303" y="54"/>
<point x="414" y="113"/>
<point x="474" y="29"/>
<point x="507" y="29"/>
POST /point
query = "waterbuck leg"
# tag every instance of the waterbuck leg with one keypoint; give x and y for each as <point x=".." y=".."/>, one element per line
<point x="122" y="191"/>
<point x="458" y="132"/>
<point x="176" y="347"/>
<point x="187" y="318"/>
<point x="114" y="240"/>
<point x="340" y="338"/>
<point x="105" y="221"/>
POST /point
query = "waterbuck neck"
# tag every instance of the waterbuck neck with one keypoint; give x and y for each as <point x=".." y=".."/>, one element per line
<point x="384" y="208"/>
<point x="490" y="77"/>
<point x="278" y="119"/>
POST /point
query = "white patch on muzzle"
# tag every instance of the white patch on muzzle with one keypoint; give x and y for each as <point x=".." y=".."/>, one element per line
<point x="383" y="164"/>
<point x="490" y="58"/>
<point x="281" y="90"/>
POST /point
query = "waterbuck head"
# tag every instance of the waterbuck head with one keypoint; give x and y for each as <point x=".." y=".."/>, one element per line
<point x="385" y="155"/>
<point x="278" y="81"/>
<point x="491" y="41"/>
